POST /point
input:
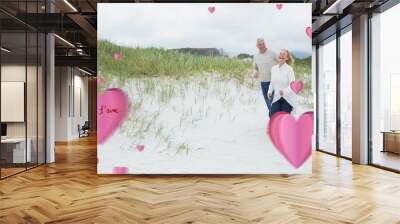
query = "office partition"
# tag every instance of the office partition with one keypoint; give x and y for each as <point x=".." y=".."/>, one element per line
<point x="22" y="77"/>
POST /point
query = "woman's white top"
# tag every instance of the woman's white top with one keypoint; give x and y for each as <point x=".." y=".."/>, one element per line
<point x="281" y="77"/>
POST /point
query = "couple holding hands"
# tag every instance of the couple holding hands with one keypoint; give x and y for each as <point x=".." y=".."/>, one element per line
<point x="276" y="75"/>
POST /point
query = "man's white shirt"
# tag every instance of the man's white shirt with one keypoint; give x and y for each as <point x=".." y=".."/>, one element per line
<point x="263" y="62"/>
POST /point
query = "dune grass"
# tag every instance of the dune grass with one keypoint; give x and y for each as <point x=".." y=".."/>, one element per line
<point x="155" y="78"/>
<point x="139" y="62"/>
<point x="302" y="71"/>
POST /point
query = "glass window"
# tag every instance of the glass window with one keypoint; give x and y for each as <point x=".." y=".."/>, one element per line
<point x="346" y="94"/>
<point x="327" y="97"/>
<point x="385" y="89"/>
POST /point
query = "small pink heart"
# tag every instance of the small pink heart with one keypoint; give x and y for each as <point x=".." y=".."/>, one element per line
<point x="120" y="170"/>
<point x="211" y="9"/>
<point x="309" y="31"/>
<point x="292" y="137"/>
<point x="279" y="6"/>
<point x="140" y="148"/>
<point x="296" y="86"/>
<point x="117" y="56"/>
<point x="112" y="110"/>
<point x="100" y="80"/>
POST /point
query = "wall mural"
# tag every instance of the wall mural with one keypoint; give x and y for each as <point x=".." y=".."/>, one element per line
<point x="204" y="88"/>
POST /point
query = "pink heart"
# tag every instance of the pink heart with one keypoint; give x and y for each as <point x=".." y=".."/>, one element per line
<point x="100" y="80"/>
<point x="112" y="110"/>
<point x="117" y="56"/>
<point x="140" y="148"/>
<point x="120" y="170"/>
<point x="309" y="31"/>
<point x="211" y="9"/>
<point x="272" y="123"/>
<point x="296" y="86"/>
<point x="279" y="6"/>
<point x="292" y="137"/>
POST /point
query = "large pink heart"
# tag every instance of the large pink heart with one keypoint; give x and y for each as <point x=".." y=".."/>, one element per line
<point x="296" y="86"/>
<point x="211" y="9"/>
<point x="292" y="137"/>
<point x="309" y="31"/>
<point x="272" y="123"/>
<point x="279" y="6"/>
<point x="112" y="110"/>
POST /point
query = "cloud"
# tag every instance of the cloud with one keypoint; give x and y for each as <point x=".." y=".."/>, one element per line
<point x="233" y="27"/>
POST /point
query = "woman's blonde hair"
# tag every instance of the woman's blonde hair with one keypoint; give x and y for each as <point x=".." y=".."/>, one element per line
<point x="290" y="60"/>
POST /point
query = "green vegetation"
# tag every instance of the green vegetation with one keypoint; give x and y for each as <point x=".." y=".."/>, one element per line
<point x="302" y="71"/>
<point x="171" y="64"/>
<point x="139" y="62"/>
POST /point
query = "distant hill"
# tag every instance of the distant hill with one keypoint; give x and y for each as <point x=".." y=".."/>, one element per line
<point x="213" y="52"/>
<point x="244" y="55"/>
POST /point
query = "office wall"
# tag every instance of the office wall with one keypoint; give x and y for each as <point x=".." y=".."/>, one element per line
<point x="71" y="102"/>
<point x="61" y="103"/>
<point x="80" y="109"/>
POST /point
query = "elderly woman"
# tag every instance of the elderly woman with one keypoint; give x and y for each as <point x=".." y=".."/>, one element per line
<point x="282" y="75"/>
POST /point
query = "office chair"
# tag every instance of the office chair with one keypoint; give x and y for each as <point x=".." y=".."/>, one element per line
<point x="84" y="130"/>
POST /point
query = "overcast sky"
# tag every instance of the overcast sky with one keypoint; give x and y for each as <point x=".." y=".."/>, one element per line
<point x="233" y="27"/>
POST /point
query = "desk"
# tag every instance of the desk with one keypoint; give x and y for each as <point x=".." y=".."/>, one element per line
<point x="17" y="151"/>
<point x="391" y="141"/>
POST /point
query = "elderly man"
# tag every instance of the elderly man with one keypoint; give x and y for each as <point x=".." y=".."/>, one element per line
<point x="262" y="64"/>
